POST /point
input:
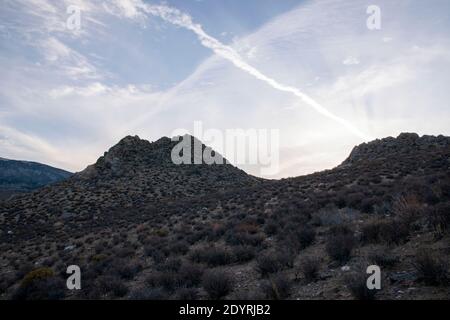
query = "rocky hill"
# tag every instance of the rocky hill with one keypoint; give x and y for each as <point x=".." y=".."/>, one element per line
<point x="23" y="176"/>
<point x="130" y="174"/>
<point x="141" y="227"/>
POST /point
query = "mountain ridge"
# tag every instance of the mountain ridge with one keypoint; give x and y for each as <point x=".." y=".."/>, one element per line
<point x="390" y="197"/>
<point x="23" y="176"/>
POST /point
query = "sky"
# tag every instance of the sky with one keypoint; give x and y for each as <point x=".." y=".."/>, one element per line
<point x="313" y="70"/>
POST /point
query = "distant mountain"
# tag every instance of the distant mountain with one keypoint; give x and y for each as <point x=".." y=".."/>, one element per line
<point x="21" y="176"/>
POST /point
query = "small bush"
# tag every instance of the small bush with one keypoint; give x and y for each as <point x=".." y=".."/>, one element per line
<point x="37" y="274"/>
<point x="191" y="274"/>
<point x="111" y="284"/>
<point x="212" y="256"/>
<point x="432" y="269"/>
<point x="129" y="270"/>
<point x="242" y="238"/>
<point x="406" y="208"/>
<point x="439" y="218"/>
<point x="171" y="264"/>
<point x="273" y="262"/>
<point x="394" y="231"/>
<point x="271" y="228"/>
<point x="41" y="288"/>
<point x="276" y="288"/>
<point x="300" y="238"/>
<point x="309" y="267"/>
<point x="339" y="247"/>
<point x="243" y="254"/>
<point x="169" y="281"/>
<point x="356" y="282"/>
<point x="382" y="257"/>
<point x="217" y="284"/>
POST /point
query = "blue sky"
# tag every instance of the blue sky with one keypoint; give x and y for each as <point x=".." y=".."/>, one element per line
<point x="135" y="68"/>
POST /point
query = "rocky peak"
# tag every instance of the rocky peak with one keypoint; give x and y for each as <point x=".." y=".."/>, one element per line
<point x="405" y="143"/>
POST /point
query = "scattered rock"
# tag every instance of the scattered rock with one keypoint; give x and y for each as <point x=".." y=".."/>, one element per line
<point x="403" y="276"/>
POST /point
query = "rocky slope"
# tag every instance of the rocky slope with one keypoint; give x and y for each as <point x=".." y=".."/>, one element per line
<point x="130" y="174"/>
<point x="141" y="227"/>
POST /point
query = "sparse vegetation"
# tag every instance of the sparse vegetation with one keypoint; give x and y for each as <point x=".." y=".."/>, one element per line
<point x="217" y="284"/>
<point x="356" y="283"/>
<point x="340" y="244"/>
<point x="433" y="270"/>
<point x="152" y="230"/>
<point x="277" y="287"/>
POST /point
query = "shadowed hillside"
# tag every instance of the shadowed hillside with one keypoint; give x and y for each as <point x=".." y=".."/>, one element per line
<point x="141" y="227"/>
<point x="23" y="176"/>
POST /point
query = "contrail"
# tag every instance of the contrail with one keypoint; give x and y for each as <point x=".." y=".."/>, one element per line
<point x="176" y="17"/>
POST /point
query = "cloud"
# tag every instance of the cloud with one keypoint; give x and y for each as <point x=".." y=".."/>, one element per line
<point x="179" y="18"/>
<point x="49" y="116"/>
<point x="351" y="61"/>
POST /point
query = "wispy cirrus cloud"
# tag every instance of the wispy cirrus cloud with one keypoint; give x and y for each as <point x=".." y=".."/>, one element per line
<point x="397" y="83"/>
<point x="176" y="17"/>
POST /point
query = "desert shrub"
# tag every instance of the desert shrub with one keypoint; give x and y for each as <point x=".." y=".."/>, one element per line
<point x="271" y="228"/>
<point x="394" y="231"/>
<point x="171" y="264"/>
<point x="432" y="269"/>
<point x="370" y="232"/>
<point x="128" y="270"/>
<point x="99" y="257"/>
<point x="22" y="268"/>
<point x="329" y="216"/>
<point x="367" y="204"/>
<point x="305" y="237"/>
<point x="106" y="284"/>
<point x="42" y="287"/>
<point x="149" y="293"/>
<point x="277" y="287"/>
<point x="310" y="267"/>
<point x="242" y="238"/>
<point x="191" y="274"/>
<point x="439" y="218"/>
<point x="6" y="281"/>
<point x="340" y="246"/>
<point x="213" y="256"/>
<point x="406" y="208"/>
<point x="354" y="200"/>
<point x="382" y="257"/>
<point x="186" y="294"/>
<point x="170" y="281"/>
<point x="124" y="252"/>
<point x="161" y="232"/>
<point x="273" y="262"/>
<point x="217" y="284"/>
<point x="243" y="254"/>
<point x="390" y="232"/>
<point x="180" y="247"/>
<point x="37" y="274"/>
<point x="356" y="282"/>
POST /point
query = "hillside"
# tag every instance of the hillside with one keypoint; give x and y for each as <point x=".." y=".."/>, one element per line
<point x="23" y="176"/>
<point x="140" y="227"/>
